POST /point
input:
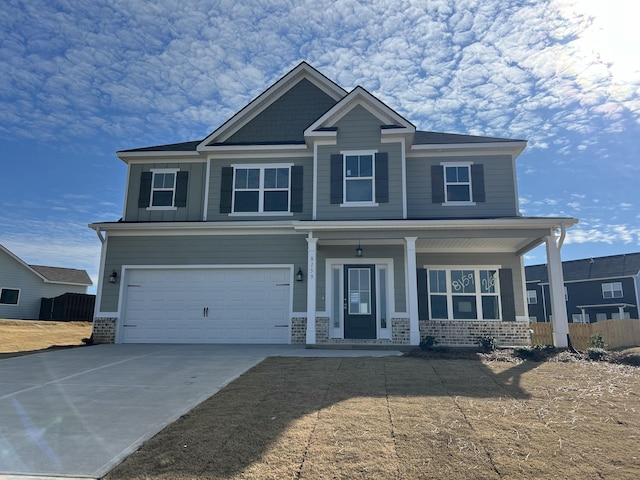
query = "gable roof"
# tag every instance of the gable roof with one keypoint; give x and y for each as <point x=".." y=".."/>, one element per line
<point x="613" y="266"/>
<point x="53" y="274"/>
<point x="262" y="102"/>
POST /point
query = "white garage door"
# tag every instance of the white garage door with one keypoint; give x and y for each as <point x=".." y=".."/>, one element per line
<point x="234" y="305"/>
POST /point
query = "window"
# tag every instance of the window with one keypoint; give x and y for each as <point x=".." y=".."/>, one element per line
<point x="579" y="318"/>
<point x="464" y="294"/>
<point x="9" y="296"/>
<point x="358" y="178"/>
<point x="261" y="189"/>
<point x="163" y="188"/>
<point x="600" y="317"/>
<point x="612" y="290"/>
<point x="533" y="319"/>
<point x="457" y="179"/>
<point x="532" y="297"/>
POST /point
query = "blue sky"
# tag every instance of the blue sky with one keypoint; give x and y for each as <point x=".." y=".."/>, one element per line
<point x="82" y="79"/>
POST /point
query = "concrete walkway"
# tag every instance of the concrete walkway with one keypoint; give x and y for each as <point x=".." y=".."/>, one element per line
<point x="77" y="413"/>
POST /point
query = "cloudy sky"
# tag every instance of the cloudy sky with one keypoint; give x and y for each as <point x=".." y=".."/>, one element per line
<point x="84" y="78"/>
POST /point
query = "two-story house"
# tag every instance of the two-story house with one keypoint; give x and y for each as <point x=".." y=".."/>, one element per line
<point x="316" y="215"/>
<point x="595" y="289"/>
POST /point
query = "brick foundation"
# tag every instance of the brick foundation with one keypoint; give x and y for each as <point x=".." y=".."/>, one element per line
<point x="104" y="330"/>
<point x="400" y="331"/>
<point x="464" y="333"/>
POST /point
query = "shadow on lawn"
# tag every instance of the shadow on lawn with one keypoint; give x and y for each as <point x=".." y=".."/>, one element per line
<point x="270" y="415"/>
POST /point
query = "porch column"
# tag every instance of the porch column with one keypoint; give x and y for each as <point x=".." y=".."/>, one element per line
<point x="621" y="312"/>
<point x="312" y="244"/>
<point x="412" y="290"/>
<point x="556" y="290"/>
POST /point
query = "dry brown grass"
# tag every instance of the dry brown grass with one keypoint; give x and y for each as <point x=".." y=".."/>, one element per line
<point x="30" y="335"/>
<point x="406" y="418"/>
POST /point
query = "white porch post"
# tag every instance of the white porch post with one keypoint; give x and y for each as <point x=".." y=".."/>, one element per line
<point x="312" y="244"/>
<point x="556" y="290"/>
<point x="621" y="312"/>
<point x="412" y="289"/>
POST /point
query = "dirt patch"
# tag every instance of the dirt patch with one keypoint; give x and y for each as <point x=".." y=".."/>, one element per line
<point x="405" y="418"/>
<point x="25" y="336"/>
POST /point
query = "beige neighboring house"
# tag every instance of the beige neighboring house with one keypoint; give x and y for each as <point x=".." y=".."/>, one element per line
<point x="23" y="286"/>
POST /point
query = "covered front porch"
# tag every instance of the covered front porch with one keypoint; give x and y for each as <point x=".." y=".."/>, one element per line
<point x="396" y="282"/>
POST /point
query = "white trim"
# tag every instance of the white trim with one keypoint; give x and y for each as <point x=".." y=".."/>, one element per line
<point x="466" y="165"/>
<point x="261" y="214"/>
<point x="340" y="262"/>
<point x="360" y="204"/>
<point x="404" y="177"/>
<point x="126" y="192"/>
<point x="151" y="156"/>
<point x="442" y="147"/>
<point x="346" y="179"/>
<point x="261" y="189"/>
<point x="103" y="259"/>
<point x="205" y="207"/>
<point x="163" y="171"/>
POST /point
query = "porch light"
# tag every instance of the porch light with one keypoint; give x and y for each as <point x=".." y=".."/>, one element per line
<point x="299" y="275"/>
<point x="359" y="250"/>
<point x="113" y="277"/>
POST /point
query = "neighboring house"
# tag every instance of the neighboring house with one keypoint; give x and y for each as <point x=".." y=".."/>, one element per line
<point x="316" y="215"/>
<point x="23" y="286"/>
<point x="598" y="288"/>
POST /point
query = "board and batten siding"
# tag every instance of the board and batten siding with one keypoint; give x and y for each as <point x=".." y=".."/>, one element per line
<point x="502" y="260"/>
<point x="359" y="130"/>
<point x="499" y="187"/>
<point x="215" y="185"/>
<point x="204" y="250"/>
<point x="195" y="194"/>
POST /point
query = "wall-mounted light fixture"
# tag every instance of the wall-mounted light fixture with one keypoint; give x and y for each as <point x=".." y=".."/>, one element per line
<point x="359" y="250"/>
<point x="113" y="277"/>
<point x="299" y="275"/>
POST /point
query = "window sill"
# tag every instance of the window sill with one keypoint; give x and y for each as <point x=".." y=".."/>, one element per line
<point x="459" y="204"/>
<point x="359" y="204"/>
<point x="161" y="208"/>
<point x="261" y="214"/>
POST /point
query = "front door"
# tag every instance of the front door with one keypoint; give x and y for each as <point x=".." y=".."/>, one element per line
<point x="359" y="301"/>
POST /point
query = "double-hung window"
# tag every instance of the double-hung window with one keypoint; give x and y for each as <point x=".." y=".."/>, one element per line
<point x="163" y="188"/>
<point x="359" y="186"/>
<point x="464" y="294"/>
<point x="612" y="290"/>
<point x="532" y="297"/>
<point x="457" y="183"/>
<point x="261" y="189"/>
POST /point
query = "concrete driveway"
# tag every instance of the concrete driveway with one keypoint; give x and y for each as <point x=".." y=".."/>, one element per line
<point x="79" y="412"/>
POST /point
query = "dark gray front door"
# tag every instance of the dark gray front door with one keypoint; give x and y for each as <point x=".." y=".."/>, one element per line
<point x="359" y="301"/>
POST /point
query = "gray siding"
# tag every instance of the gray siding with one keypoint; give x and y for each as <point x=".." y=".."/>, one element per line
<point x="32" y="288"/>
<point x="204" y="250"/>
<point x="213" y="208"/>
<point x="195" y="194"/>
<point x="499" y="184"/>
<point x="504" y="260"/>
<point x="359" y="130"/>
<point x="287" y="118"/>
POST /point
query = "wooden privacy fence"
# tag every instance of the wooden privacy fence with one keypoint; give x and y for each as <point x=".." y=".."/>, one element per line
<point x="616" y="333"/>
<point x="68" y="307"/>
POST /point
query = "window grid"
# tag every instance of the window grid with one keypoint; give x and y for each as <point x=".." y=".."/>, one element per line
<point x="457" y="183"/>
<point x="163" y="189"/>
<point x="263" y="189"/>
<point x="612" y="290"/>
<point x="359" y="175"/>
<point x="532" y="297"/>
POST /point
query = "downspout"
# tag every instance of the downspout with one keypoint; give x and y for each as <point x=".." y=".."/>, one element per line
<point x="99" y="233"/>
<point x="563" y="235"/>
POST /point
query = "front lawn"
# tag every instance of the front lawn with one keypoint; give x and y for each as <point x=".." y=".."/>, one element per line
<point x="406" y="418"/>
<point x="20" y="336"/>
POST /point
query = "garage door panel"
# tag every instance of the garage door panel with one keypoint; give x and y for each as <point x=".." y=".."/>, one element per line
<point x="244" y="306"/>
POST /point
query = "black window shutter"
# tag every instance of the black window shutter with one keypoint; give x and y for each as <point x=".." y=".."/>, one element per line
<point x="382" y="177"/>
<point x="182" y="181"/>
<point x="226" y="189"/>
<point x="437" y="183"/>
<point x="336" y="178"/>
<point x="423" y="295"/>
<point x="507" y="298"/>
<point x="477" y="182"/>
<point x="297" y="179"/>
<point x="145" y="189"/>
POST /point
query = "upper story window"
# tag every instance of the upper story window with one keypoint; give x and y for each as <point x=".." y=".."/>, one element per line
<point x="457" y="183"/>
<point x="9" y="296"/>
<point x="612" y="290"/>
<point x="532" y="297"/>
<point x="359" y="178"/>
<point x="163" y="189"/>
<point x="261" y="189"/>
